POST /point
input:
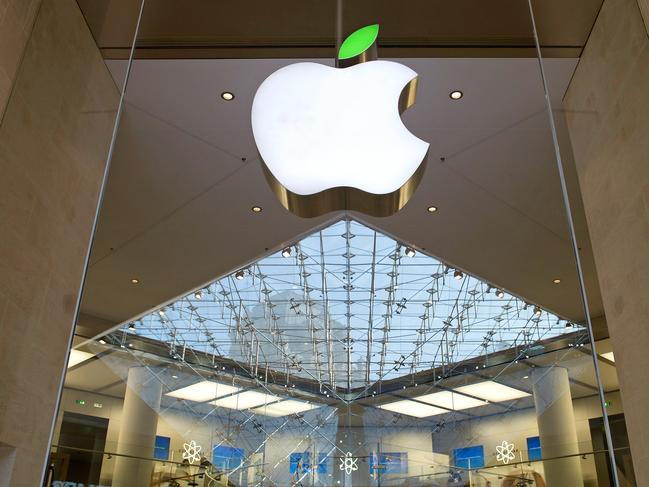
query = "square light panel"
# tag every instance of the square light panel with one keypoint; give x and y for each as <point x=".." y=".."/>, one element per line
<point x="245" y="400"/>
<point x="451" y="400"/>
<point x="284" y="408"/>
<point x="413" y="408"/>
<point x="77" y="356"/>
<point x="492" y="391"/>
<point x="608" y="356"/>
<point x="203" y="391"/>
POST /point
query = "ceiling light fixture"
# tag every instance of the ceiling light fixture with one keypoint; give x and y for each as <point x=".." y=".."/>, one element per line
<point x="456" y="94"/>
<point x="239" y="275"/>
<point x="286" y="253"/>
<point x="102" y="341"/>
<point x="431" y="209"/>
<point x="458" y="274"/>
<point x="227" y="95"/>
<point x="256" y="209"/>
<point x="413" y="408"/>
<point x="198" y="294"/>
<point x="78" y="356"/>
<point x="557" y="281"/>
<point x="284" y="408"/>
<point x="537" y="311"/>
<point x="492" y="391"/>
<point x="500" y="293"/>
<point x="203" y="391"/>
<point x="131" y="326"/>
<point x="410" y="252"/>
<point x="451" y="400"/>
<point x="135" y="281"/>
<point x="245" y="400"/>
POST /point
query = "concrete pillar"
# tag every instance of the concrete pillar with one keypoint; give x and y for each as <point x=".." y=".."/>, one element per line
<point x="557" y="429"/>
<point x="137" y="432"/>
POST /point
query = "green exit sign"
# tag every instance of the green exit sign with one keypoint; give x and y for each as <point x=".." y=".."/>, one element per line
<point x="80" y="402"/>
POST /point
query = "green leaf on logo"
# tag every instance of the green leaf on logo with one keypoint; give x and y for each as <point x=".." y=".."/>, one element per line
<point x="358" y="41"/>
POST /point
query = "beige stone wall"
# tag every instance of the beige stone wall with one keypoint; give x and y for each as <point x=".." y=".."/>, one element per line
<point x="16" y="21"/>
<point x="54" y="139"/>
<point x="607" y="109"/>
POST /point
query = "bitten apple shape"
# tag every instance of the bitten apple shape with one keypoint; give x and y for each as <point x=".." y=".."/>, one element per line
<point x="322" y="130"/>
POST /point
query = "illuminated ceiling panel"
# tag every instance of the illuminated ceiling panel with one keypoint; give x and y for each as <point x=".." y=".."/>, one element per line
<point x="284" y="408"/>
<point x="413" y="408"/>
<point x="492" y="391"/>
<point x="203" y="391"/>
<point x="245" y="400"/>
<point x="346" y="307"/>
<point x="78" y="356"/>
<point x="450" y="400"/>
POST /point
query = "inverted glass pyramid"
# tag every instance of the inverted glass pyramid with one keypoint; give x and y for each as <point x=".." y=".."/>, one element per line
<point x="348" y="307"/>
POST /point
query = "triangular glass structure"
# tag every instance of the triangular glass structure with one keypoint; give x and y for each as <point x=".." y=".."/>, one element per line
<point x="344" y="308"/>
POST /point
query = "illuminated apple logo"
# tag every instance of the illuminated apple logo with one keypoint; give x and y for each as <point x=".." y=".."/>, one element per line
<point x="332" y="138"/>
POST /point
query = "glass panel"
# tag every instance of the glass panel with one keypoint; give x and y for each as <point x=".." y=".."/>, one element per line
<point x="228" y="341"/>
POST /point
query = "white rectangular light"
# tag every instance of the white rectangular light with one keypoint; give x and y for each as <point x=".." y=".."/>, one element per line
<point x="492" y="391"/>
<point x="451" y="400"/>
<point x="245" y="400"/>
<point x="413" y="408"/>
<point x="284" y="408"/>
<point x="203" y="391"/>
<point x="77" y="356"/>
<point x="608" y="356"/>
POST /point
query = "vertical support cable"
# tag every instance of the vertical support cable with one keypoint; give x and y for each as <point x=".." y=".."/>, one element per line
<point x="575" y="250"/>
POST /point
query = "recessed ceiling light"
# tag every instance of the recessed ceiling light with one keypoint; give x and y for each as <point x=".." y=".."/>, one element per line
<point x="174" y="376"/>
<point x="102" y="341"/>
<point x="284" y="408"/>
<point x="556" y="281"/>
<point x="410" y="252"/>
<point x="413" y="408"/>
<point x="245" y="400"/>
<point x="431" y="209"/>
<point x="239" y="275"/>
<point x="77" y="356"/>
<point x="451" y="400"/>
<point x="456" y="94"/>
<point x="256" y="209"/>
<point x="203" y="391"/>
<point x="608" y="356"/>
<point x="500" y="293"/>
<point x="198" y="294"/>
<point x="526" y="377"/>
<point x="135" y="281"/>
<point x="492" y="391"/>
<point x="458" y="274"/>
<point x="227" y="95"/>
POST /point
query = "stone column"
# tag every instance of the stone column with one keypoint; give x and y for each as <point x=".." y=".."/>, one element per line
<point x="556" y="422"/>
<point x="138" y="429"/>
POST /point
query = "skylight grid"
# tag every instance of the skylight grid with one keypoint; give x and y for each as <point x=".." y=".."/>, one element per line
<point x="348" y="307"/>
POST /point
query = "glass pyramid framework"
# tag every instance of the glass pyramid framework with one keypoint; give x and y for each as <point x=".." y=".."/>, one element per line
<point x="348" y="308"/>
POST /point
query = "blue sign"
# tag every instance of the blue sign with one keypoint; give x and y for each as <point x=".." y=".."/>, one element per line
<point x="390" y="462"/>
<point x="469" y="457"/>
<point x="226" y="458"/>
<point x="534" y="448"/>
<point x="161" y="448"/>
<point x="300" y="462"/>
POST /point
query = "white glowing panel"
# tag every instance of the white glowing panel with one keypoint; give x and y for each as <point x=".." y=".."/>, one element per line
<point x="245" y="400"/>
<point x="451" y="400"/>
<point x="492" y="391"/>
<point x="413" y="408"/>
<point x="318" y="127"/>
<point x="203" y="391"/>
<point x="284" y="408"/>
<point x="77" y="356"/>
<point x="608" y="356"/>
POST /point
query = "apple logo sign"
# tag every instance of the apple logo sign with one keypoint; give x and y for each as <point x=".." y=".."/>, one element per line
<point x="332" y="139"/>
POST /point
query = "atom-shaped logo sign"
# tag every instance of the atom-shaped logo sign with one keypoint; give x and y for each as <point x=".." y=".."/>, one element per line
<point x="348" y="463"/>
<point x="192" y="452"/>
<point x="505" y="452"/>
